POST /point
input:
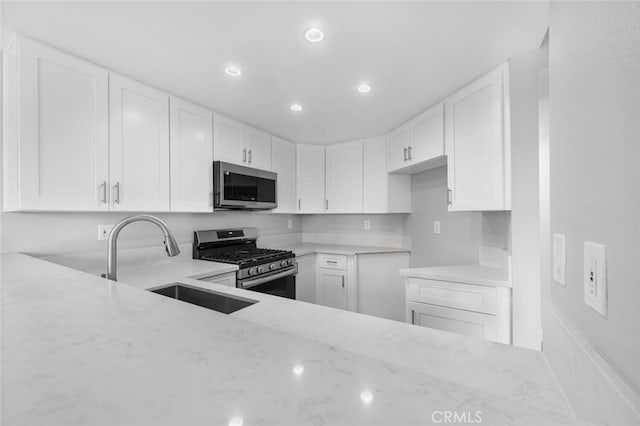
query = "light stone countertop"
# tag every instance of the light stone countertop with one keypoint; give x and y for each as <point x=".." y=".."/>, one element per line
<point x="342" y="249"/>
<point x="78" y="349"/>
<point x="469" y="274"/>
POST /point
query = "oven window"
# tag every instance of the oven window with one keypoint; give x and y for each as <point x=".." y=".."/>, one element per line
<point x="239" y="187"/>
<point x="283" y="287"/>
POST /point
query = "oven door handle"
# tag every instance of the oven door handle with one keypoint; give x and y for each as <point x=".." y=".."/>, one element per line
<point x="252" y="283"/>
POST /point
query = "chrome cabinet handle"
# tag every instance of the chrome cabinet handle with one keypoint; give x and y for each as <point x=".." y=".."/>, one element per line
<point x="333" y="262"/>
<point x="116" y="190"/>
<point x="449" y="196"/>
<point x="299" y="204"/>
<point x="405" y="153"/>
<point x="326" y="204"/>
<point x="342" y="281"/>
<point x="250" y="156"/>
<point x="244" y="155"/>
<point x="104" y="192"/>
<point x="413" y="317"/>
<point x="409" y="152"/>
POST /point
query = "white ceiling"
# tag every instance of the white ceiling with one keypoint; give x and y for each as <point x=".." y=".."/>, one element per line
<point x="413" y="54"/>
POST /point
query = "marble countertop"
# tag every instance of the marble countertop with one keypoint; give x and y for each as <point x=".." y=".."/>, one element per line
<point x="468" y="274"/>
<point x="343" y="249"/>
<point x="79" y="349"/>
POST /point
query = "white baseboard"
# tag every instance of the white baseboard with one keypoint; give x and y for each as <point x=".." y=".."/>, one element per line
<point x="596" y="393"/>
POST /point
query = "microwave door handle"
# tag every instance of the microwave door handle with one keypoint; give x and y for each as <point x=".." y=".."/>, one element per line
<point x="258" y="281"/>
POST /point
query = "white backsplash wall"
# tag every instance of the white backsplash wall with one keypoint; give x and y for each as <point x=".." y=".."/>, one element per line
<point x="461" y="233"/>
<point x="61" y="233"/>
<point x="386" y="229"/>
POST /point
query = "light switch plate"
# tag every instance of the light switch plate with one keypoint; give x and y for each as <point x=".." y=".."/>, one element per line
<point x="595" y="277"/>
<point x="436" y="226"/>
<point x="367" y="225"/>
<point x="289" y="224"/>
<point x="560" y="259"/>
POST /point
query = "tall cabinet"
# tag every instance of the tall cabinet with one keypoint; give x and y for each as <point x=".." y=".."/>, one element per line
<point x="56" y="119"/>
<point x="138" y="146"/>
<point x="344" y="177"/>
<point x="310" y="178"/>
<point x="283" y="163"/>
<point x="478" y="145"/>
<point x="191" y="156"/>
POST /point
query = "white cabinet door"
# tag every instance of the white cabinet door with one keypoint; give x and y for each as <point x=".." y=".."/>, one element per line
<point x="397" y="146"/>
<point x="62" y="148"/>
<point x="344" y="177"/>
<point x="382" y="192"/>
<point x="306" y="278"/>
<point x="310" y="178"/>
<point x="283" y="163"/>
<point x="191" y="157"/>
<point x="476" y="147"/>
<point x="331" y="288"/>
<point x="458" y="321"/>
<point x="228" y="140"/>
<point x="258" y="146"/>
<point x="426" y="135"/>
<point x="138" y="146"/>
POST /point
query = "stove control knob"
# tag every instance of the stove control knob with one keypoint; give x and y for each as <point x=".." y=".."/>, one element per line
<point x="290" y="261"/>
<point x="252" y="271"/>
<point x="283" y="263"/>
<point x="260" y="269"/>
<point x="273" y="266"/>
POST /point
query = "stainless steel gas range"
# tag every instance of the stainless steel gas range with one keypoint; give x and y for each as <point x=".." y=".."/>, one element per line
<point x="264" y="270"/>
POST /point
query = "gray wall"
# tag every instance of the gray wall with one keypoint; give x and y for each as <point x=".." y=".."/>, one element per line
<point x="461" y="233"/>
<point x="594" y="81"/>
<point x="61" y="233"/>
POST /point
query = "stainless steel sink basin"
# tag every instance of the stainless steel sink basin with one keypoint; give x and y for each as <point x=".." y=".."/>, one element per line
<point x="205" y="298"/>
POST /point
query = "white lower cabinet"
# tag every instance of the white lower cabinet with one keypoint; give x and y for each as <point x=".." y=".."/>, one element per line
<point x="379" y="289"/>
<point x="467" y="309"/>
<point x="306" y="278"/>
<point x="332" y="288"/>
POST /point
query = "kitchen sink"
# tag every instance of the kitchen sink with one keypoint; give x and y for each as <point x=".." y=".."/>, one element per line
<point x="205" y="298"/>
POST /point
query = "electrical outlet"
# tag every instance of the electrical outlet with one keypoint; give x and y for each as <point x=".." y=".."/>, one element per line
<point x="560" y="259"/>
<point x="367" y="225"/>
<point x="436" y="226"/>
<point x="104" y="231"/>
<point x="595" y="277"/>
<point x="289" y="224"/>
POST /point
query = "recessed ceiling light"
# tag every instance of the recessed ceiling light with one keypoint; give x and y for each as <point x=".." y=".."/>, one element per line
<point x="233" y="71"/>
<point x="314" y="35"/>
<point x="296" y="107"/>
<point x="364" y="88"/>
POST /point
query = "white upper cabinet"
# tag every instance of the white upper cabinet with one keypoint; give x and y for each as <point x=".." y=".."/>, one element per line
<point x="258" y="146"/>
<point x="228" y="140"/>
<point x="191" y="149"/>
<point x="139" y="146"/>
<point x="344" y="178"/>
<point x="397" y="143"/>
<point x="237" y="143"/>
<point x="56" y="134"/>
<point x="310" y="178"/>
<point x="283" y="162"/>
<point x="478" y="156"/>
<point x="418" y="144"/>
<point x="426" y="133"/>
<point x="382" y="192"/>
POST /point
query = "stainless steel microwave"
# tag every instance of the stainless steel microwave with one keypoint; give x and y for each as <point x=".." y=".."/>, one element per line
<point x="243" y="188"/>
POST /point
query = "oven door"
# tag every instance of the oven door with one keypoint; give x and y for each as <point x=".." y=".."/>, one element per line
<point x="239" y="187"/>
<point x="278" y="283"/>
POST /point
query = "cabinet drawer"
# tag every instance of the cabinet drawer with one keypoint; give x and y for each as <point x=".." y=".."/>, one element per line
<point x="474" y="298"/>
<point x="332" y="261"/>
<point x="472" y="324"/>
